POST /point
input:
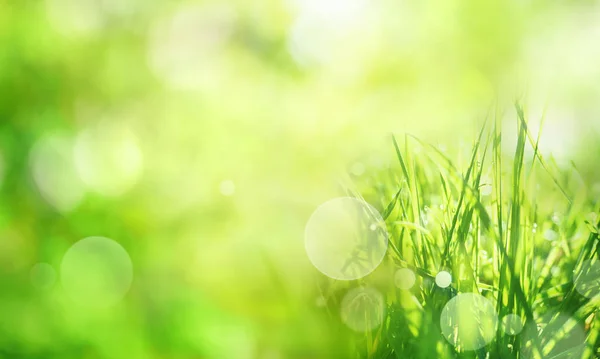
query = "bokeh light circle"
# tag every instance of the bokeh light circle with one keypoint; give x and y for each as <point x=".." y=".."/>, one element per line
<point x="42" y="275"/>
<point x="227" y="188"/>
<point x="443" y="279"/>
<point x="53" y="170"/>
<point x="96" y="272"/>
<point x="512" y="324"/>
<point x="108" y="158"/>
<point x="469" y="321"/>
<point x="184" y="49"/>
<point x="554" y="335"/>
<point x="363" y="309"/>
<point x="550" y="235"/>
<point x="587" y="280"/>
<point x="405" y="278"/>
<point x="341" y="241"/>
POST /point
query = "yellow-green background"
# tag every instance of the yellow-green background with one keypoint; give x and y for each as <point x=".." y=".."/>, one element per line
<point x="227" y="276"/>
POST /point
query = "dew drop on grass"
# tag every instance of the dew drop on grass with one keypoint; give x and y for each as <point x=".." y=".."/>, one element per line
<point x="512" y="324"/>
<point x="404" y="279"/>
<point x="340" y="240"/>
<point x="42" y="275"/>
<point x="96" y="272"/>
<point x="363" y="309"/>
<point x="587" y="279"/>
<point x="443" y="279"/>
<point x="469" y="321"/>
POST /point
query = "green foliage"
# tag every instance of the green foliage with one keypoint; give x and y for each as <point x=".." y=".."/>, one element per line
<point x="493" y="243"/>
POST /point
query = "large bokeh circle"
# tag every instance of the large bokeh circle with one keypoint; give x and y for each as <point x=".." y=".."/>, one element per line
<point x="346" y="238"/>
<point x="469" y="321"/>
<point x="363" y="309"/>
<point x="96" y="272"/>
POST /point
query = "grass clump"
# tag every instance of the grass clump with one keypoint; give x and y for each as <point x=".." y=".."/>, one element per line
<point x="516" y="232"/>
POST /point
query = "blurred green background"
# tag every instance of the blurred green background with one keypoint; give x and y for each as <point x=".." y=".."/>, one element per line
<point x="200" y="135"/>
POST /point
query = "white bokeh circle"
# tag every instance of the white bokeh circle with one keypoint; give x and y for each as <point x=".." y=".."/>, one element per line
<point x="185" y="49"/>
<point x="346" y="238"/>
<point x="96" y="272"/>
<point x="443" y="279"/>
<point x="469" y="321"/>
<point x="405" y="278"/>
<point x="363" y="309"/>
<point x="587" y="280"/>
<point x="227" y="188"/>
<point x="53" y="170"/>
<point x="108" y="158"/>
<point x="512" y="324"/>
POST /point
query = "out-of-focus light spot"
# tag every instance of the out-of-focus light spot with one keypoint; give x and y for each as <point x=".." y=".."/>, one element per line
<point x="550" y="235"/>
<point x="86" y="17"/>
<point x="72" y="17"/>
<point x="42" y="275"/>
<point x="556" y="218"/>
<point x="555" y="335"/>
<point x="96" y="272"/>
<point x="357" y="169"/>
<point x="334" y="10"/>
<point x="512" y="324"/>
<point x="405" y="278"/>
<point x="53" y="170"/>
<point x="339" y="241"/>
<point x="308" y="44"/>
<point x="108" y="158"/>
<point x="586" y="279"/>
<point x="363" y="309"/>
<point x="184" y="49"/>
<point x="443" y="279"/>
<point x="227" y="188"/>
<point x="469" y="321"/>
<point x="559" y="138"/>
<point x="321" y="26"/>
<point x="486" y="190"/>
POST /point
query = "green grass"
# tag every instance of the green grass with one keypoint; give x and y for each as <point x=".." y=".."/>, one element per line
<point x="493" y="244"/>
